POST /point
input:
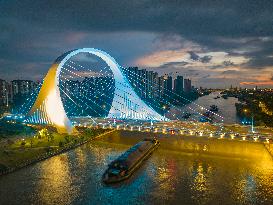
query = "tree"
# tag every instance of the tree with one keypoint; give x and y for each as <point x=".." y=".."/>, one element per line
<point x="61" y="144"/>
<point x="67" y="139"/>
<point x="44" y="133"/>
<point x="50" y="137"/>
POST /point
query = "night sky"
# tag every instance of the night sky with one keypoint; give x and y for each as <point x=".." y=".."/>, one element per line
<point x="215" y="43"/>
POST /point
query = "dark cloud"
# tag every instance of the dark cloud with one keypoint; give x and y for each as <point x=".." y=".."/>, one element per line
<point x="228" y="63"/>
<point x="228" y="18"/>
<point x="171" y="66"/>
<point x="178" y="68"/>
<point x="206" y="76"/>
<point x="205" y="59"/>
<point x="259" y="62"/>
<point x="175" y="64"/>
<point x="231" y="72"/>
<point x="175" y="68"/>
<point x="194" y="56"/>
<point x="38" y="31"/>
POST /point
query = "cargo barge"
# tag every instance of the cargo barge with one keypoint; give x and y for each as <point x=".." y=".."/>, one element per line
<point x="124" y="166"/>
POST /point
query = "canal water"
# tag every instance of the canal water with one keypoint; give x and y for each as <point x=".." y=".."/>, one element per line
<point x="226" y="107"/>
<point x="168" y="177"/>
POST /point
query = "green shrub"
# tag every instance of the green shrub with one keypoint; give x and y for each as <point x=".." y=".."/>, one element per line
<point x="61" y="144"/>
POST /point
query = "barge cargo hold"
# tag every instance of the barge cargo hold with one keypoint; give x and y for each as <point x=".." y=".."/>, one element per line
<point x="124" y="166"/>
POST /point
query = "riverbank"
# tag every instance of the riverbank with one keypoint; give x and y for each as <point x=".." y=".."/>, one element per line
<point x="195" y="144"/>
<point x="23" y="152"/>
<point x="29" y="151"/>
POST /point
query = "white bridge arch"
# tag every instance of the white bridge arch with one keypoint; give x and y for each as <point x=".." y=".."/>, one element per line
<point x="48" y="107"/>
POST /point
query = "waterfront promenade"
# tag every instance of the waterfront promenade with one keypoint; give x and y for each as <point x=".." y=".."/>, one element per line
<point x="20" y="157"/>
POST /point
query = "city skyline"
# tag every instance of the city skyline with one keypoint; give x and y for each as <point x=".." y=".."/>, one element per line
<point x="216" y="44"/>
<point x="174" y="76"/>
<point x="148" y="85"/>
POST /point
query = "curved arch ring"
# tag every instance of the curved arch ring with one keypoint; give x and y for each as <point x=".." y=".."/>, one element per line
<point x="48" y="107"/>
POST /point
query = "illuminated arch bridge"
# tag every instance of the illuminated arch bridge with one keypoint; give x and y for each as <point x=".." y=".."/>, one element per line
<point x="49" y="109"/>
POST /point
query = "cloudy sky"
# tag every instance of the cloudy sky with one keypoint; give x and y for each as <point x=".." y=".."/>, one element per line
<point x="215" y="43"/>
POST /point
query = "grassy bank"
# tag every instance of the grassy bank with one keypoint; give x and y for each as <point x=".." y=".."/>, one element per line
<point x="20" y="152"/>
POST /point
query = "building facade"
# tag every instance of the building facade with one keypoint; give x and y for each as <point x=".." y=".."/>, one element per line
<point x="187" y="85"/>
<point x="3" y="92"/>
<point x="179" y="85"/>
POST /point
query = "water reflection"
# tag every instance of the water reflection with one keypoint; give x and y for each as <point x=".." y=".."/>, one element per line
<point x="168" y="177"/>
<point x="81" y="158"/>
<point x="55" y="183"/>
<point x="200" y="186"/>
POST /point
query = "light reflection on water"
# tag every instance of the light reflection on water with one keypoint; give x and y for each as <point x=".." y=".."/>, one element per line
<point x="201" y="175"/>
<point x="168" y="177"/>
<point x="56" y="181"/>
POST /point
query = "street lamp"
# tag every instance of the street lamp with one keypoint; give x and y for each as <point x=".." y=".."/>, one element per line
<point x="252" y="120"/>
<point x="164" y="107"/>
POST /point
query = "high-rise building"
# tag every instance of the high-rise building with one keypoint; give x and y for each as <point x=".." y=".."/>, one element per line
<point x="9" y="94"/>
<point x="137" y="79"/>
<point x="161" y="82"/>
<point x="169" y="83"/>
<point x="165" y="84"/>
<point x="155" y="85"/>
<point x="157" y="89"/>
<point x="144" y="82"/>
<point x="187" y="85"/>
<point x="150" y="84"/>
<point x="168" y="87"/>
<point x="23" y="87"/>
<point x="3" y="92"/>
<point x="179" y="85"/>
<point x="20" y="91"/>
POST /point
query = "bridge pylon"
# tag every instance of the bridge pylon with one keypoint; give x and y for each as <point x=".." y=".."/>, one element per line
<point x="48" y="107"/>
